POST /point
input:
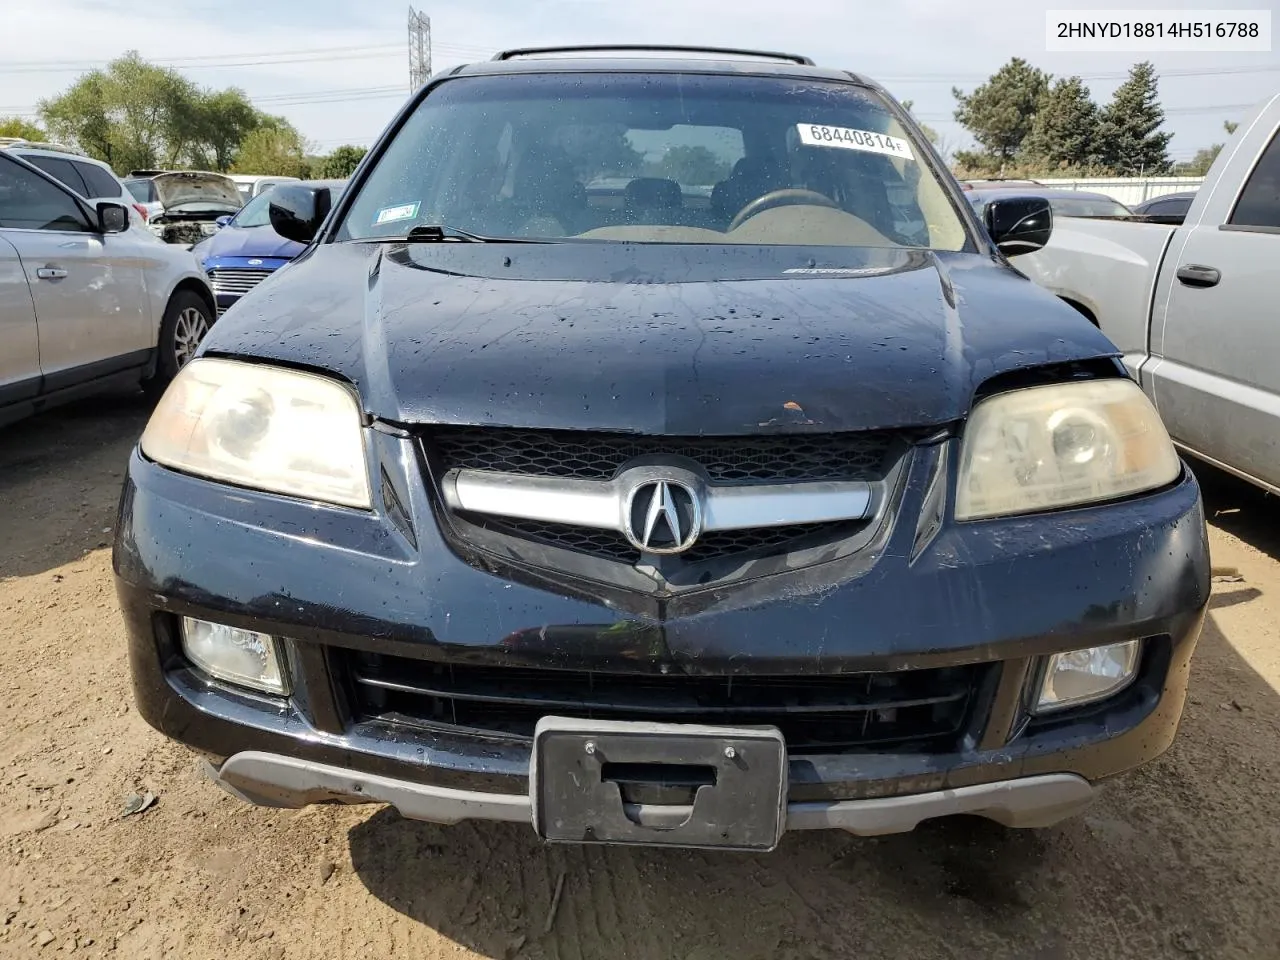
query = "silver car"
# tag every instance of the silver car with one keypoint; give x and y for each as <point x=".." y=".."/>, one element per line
<point x="86" y="302"/>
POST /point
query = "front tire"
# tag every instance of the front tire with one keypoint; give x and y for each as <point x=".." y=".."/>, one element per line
<point x="187" y="320"/>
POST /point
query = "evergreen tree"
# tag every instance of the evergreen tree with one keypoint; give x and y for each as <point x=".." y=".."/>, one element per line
<point x="1065" y="127"/>
<point x="1129" y="140"/>
<point x="1000" y="113"/>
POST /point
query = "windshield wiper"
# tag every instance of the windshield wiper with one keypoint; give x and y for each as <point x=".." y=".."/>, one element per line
<point x="443" y="233"/>
<point x="440" y="232"/>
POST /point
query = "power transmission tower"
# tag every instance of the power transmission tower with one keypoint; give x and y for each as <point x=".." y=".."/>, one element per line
<point x="419" y="49"/>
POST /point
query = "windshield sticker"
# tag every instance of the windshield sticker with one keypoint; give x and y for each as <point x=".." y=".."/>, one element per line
<point x="405" y="211"/>
<point x="816" y="135"/>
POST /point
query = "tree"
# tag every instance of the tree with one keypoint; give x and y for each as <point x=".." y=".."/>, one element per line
<point x="1065" y="127"/>
<point x="1129" y="141"/>
<point x="1000" y="112"/>
<point x="275" y="148"/>
<point x="218" y="124"/>
<point x="1204" y="158"/>
<point x="342" y="162"/>
<point x="79" y="116"/>
<point x="17" y="127"/>
<point x="134" y="114"/>
<point x="691" y="165"/>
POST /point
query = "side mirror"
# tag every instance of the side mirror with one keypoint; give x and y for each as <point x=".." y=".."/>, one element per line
<point x="1019" y="224"/>
<point x="112" y="217"/>
<point x="222" y="221"/>
<point x="297" y="211"/>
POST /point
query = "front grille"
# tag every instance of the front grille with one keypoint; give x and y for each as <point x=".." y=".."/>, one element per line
<point x="611" y="545"/>
<point x="903" y="711"/>
<point x="235" y="283"/>
<point x="783" y="458"/>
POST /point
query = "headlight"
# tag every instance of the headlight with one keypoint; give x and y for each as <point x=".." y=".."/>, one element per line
<point x="263" y="427"/>
<point x="1059" y="445"/>
<point x="1085" y="676"/>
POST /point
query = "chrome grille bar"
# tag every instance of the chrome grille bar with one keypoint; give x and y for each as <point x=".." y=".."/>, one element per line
<point x="233" y="281"/>
<point x="601" y="504"/>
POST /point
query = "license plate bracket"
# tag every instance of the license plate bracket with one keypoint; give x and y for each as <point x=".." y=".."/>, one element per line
<point x="576" y="800"/>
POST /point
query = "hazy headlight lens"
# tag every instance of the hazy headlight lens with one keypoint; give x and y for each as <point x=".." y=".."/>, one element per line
<point x="1083" y="676"/>
<point x="263" y="427"/>
<point x="1059" y="445"/>
<point x="238" y="656"/>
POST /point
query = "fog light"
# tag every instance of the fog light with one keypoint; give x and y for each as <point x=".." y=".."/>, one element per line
<point x="1083" y="676"/>
<point x="237" y="656"/>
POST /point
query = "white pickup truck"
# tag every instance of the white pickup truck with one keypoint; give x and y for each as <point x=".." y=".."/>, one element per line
<point x="1195" y="309"/>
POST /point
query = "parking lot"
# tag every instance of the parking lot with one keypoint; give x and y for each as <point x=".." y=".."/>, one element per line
<point x="1178" y="859"/>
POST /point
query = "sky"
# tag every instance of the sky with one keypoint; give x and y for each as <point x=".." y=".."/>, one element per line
<point x="338" y="69"/>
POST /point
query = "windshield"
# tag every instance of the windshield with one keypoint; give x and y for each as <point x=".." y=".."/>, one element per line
<point x="1088" y="207"/>
<point x="657" y="157"/>
<point x="255" y="213"/>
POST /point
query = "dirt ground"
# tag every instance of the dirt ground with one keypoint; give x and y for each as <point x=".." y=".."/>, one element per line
<point x="1181" y="859"/>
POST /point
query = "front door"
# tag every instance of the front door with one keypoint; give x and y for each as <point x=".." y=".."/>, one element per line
<point x="88" y="288"/>
<point x="19" y="346"/>
<point x="1215" y="375"/>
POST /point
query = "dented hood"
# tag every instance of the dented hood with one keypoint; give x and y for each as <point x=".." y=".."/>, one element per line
<point x="656" y="338"/>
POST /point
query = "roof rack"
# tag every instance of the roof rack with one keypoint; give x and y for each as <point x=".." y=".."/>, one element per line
<point x="6" y="142"/>
<point x="657" y="48"/>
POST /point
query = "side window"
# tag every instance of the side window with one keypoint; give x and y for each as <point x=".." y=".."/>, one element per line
<point x="142" y="190"/>
<point x="60" y="169"/>
<point x="29" y="202"/>
<point x="1259" y="204"/>
<point x="101" y="184"/>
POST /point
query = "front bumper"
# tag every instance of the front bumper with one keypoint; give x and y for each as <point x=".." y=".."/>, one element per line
<point x="272" y="780"/>
<point x="1003" y="592"/>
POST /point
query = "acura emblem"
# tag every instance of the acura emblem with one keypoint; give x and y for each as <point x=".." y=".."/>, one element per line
<point x="663" y="516"/>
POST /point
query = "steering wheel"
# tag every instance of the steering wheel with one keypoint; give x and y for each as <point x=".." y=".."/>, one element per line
<point x="781" y="198"/>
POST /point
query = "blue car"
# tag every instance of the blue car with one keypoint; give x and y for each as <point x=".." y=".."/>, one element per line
<point x="245" y="251"/>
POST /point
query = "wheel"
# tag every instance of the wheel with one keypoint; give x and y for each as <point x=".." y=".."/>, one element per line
<point x="186" y="321"/>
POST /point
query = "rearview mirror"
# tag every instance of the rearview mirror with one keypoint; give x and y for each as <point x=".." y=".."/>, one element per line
<point x="1019" y="225"/>
<point x="297" y="212"/>
<point x="222" y="221"/>
<point x="112" y="217"/>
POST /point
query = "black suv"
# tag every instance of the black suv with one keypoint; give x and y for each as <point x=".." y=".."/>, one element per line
<point x="657" y="449"/>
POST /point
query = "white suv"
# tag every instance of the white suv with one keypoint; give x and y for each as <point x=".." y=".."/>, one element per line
<point x="91" y="179"/>
<point x="87" y="303"/>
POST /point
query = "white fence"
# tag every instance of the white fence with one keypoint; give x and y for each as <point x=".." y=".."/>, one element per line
<point x="1128" y="190"/>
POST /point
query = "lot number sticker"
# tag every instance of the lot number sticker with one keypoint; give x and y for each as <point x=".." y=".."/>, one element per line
<point x="405" y="211"/>
<point x="817" y="135"/>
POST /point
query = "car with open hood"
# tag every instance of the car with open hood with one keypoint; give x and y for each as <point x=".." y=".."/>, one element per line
<point x="653" y="514"/>
<point x="184" y="205"/>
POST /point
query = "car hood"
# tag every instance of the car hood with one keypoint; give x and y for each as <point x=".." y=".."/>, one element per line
<point x="656" y="338"/>
<point x="175" y="189"/>
<point x="233" y="241"/>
